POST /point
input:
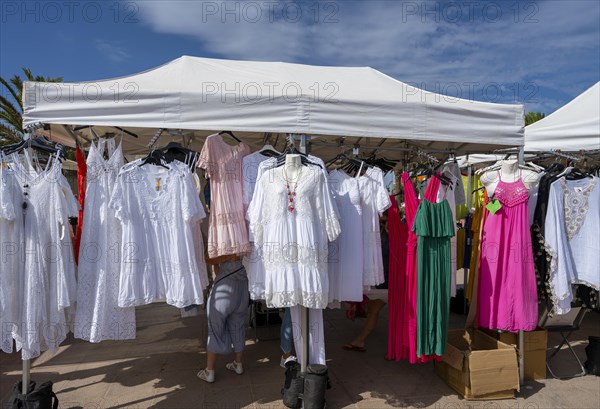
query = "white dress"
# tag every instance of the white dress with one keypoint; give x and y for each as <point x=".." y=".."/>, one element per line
<point x="250" y="165"/>
<point x="157" y="207"/>
<point x="98" y="315"/>
<point x="11" y="254"/>
<point x="254" y="261"/>
<point x="571" y="238"/>
<point x="49" y="280"/>
<point x="374" y="201"/>
<point x="293" y="245"/>
<point x="346" y="252"/>
<point x="251" y="261"/>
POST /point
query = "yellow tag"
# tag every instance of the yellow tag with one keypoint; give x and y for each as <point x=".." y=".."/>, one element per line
<point x="158" y="184"/>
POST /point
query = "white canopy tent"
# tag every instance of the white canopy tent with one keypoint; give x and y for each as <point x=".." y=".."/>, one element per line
<point x="574" y="127"/>
<point x="193" y="97"/>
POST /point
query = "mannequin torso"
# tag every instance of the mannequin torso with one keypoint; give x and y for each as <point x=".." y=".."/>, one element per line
<point x="509" y="172"/>
<point x="293" y="168"/>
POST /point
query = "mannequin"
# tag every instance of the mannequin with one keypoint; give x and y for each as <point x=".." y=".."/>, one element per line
<point x="293" y="168"/>
<point x="509" y="172"/>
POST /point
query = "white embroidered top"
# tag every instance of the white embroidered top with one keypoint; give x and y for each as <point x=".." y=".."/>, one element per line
<point x="571" y="230"/>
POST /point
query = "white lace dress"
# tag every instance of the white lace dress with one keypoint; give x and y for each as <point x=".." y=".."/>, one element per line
<point x="346" y="253"/>
<point x="49" y="281"/>
<point x="571" y="238"/>
<point x="98" y="315"/>
<point x="293" y="245"/>
<point x="374" y="201"/>
<point x="11" y="254"/>
<point x="157" y="208"/>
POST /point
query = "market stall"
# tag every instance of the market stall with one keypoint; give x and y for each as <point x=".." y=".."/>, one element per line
<point x="328" y="110"/>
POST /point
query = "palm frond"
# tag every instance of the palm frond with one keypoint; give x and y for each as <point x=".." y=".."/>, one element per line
<point x="13" y="91"/>
<point x="9" y="113"/>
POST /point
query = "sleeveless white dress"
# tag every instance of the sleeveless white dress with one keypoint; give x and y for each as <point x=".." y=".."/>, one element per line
<point x="49" y="285"/>
<point x="98" y="316"/>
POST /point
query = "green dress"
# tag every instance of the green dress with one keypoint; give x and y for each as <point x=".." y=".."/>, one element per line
<point x="433" y="226"/>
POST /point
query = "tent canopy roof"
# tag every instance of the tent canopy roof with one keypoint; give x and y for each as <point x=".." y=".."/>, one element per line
<point x="200" y="96"/>
<point x="573" y="127"/>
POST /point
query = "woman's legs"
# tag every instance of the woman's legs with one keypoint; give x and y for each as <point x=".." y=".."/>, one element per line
<point x="370" y="323"/>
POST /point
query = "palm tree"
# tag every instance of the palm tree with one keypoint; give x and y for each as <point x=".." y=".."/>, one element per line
<point x="11" y="115"/>
<point x="532" y="117"/>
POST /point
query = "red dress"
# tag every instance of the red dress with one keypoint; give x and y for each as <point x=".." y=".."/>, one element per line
<point x="81" y="179"/>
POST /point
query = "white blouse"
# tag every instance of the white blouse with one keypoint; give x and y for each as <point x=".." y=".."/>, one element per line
<point x="571" y="230"/>
<point x="158" y="208"/>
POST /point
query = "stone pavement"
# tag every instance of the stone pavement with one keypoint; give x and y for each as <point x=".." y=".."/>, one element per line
<point x="158" y="370"/>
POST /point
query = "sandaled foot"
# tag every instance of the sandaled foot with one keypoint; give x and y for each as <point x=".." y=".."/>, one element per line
<point x="206" y="375"/>
<point x="236" y="367"/>
<point x="352" y="347"/>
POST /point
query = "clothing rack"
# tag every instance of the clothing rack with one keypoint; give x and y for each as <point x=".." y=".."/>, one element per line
<point x="155" y="137"/>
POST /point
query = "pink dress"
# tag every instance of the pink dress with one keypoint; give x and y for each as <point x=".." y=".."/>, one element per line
<point x="227" y="231"/>
<point x="406" y="344"/>
<point x="507" y="283"/>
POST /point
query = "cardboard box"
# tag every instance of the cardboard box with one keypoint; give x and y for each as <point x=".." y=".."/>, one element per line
<point x="536" y="344"/>
<point x="478" y="366"/>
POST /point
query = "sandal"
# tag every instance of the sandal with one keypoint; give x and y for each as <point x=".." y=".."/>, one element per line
<point x="356" y="348"/>
<point x="206" y="375"/>
<point x="236" y="367"/>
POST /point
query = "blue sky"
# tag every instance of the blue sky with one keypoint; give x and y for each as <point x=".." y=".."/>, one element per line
<point x="540" y="53"/>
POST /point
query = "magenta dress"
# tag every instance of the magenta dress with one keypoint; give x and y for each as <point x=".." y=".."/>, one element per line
<point x="507" y="284"/>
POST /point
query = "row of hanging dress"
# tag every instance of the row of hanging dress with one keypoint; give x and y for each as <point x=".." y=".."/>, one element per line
<point x="404" y="332"/>
<point x="140" y="242"/>
<point x="36" y="205"/>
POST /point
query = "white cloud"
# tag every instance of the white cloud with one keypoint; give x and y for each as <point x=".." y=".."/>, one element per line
<point x="550" y="45"/>
<point x="113" y="52"/>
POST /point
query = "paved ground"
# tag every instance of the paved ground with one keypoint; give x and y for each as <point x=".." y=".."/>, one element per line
<point x="158" y="370"/>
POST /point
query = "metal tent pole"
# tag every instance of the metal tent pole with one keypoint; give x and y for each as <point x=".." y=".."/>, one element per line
<point x="466" y="269"/>
<point x="304" y="310"/>
<point x="521" y="333"/>
<point x="26" y="376"/>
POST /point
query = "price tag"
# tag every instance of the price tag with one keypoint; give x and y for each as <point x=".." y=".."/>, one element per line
<point x="494" y="206"/>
